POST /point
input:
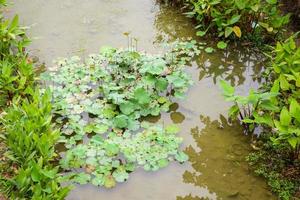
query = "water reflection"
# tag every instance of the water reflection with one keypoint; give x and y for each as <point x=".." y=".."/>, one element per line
<point x="171" y="25"/>
<point x="177" y="117"/>
<point x="233" y="66"/>
<point x="220" y="166"/>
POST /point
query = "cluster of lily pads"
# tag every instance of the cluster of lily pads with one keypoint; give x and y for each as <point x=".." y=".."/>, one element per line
<point x="100" y="105"/>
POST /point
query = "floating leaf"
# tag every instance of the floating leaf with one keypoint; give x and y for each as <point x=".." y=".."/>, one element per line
<point x="127" y="107"/>
<point x="209" y="50"/>
<point x="120" y="121"/>
<point x="109" y="181"/>
<point x="181" y="157"/>
<point x="172" y="129"/>
<point x="222" y="45"/>
<point x="142" y="96"/>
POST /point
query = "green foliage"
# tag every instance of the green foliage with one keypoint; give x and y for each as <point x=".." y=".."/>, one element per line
<point x="279" y="107"/>
<point x="106" y="98"/>
<point x="30" y="138"/>
<point x="275" y="108"/>
<point x="16" y="68"/>
<point x="13" y="38"/>
<point x="250" y="109"/>
<point x="26" y="133"/>
<point x="235" y="19"/>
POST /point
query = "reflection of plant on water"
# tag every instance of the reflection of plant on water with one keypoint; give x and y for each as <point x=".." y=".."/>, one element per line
<point x="232" y="66"/>
<point x="172" y="25"/>
<point x="220" y="165"/>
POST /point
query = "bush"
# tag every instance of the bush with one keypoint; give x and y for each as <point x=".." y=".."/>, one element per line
<point x="16" y="69"/>
<point x="254" y="20"/>
<point x="29" y="138"/>
<point x="275" y="108"/>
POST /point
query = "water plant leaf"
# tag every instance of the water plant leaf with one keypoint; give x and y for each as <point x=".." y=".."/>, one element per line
<point x="106" y="96"/>
<point x="222" y="45"/>
<point x="181" y="157"/>
<point x="237" y="31"/>
<point x="109" y="181"/>
<point x="111" y="149"/>
<point x="228" y="90"/>
<point x="285" y="118"/>
<point x="120" y="174"/>
<point x="82" y="178"/>
<point x="142" y="96"/>
<point x="127" y="107"/>
<point x="201" y="33"/>
<point x="228" y="31"/>
<point x="121" y="121"/>
<point x="209" y="50"/>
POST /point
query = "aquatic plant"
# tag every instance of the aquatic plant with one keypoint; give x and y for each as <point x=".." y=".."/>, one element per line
<point x="16" y="68"/>
<point x="100" y="104"/>
<point x="274" y="107"/>
<point x="29" y="139"/>
<point x="258" y="20"/>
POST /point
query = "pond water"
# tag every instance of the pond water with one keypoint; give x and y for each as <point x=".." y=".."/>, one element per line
<point x="217" y="149"/>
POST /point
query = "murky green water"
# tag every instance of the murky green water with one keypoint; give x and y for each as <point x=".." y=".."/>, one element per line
<point x="216" y="169"/>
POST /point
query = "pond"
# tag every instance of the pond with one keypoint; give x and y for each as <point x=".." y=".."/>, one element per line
<point x="217" y="148"/>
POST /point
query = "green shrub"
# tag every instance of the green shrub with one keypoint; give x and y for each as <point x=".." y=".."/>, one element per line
<point x="17" y="76"/>
<point x="275" y="107"/>
<point x="258" y="20"/>
<point x="29" y="138"/>
<point x="16" y="69"/>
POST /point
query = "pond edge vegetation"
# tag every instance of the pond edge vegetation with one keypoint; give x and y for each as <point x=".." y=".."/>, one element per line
<point x="30" y="166"/>
<point x="270" y="114"/>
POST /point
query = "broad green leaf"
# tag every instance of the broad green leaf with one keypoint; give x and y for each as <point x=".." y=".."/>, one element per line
<point x="209" y="50"/>
<point x="142" y="96"/>
<point x="233" y="111"/>
<point x="273" y="2"/>
<point x="284" y="84"/>
<point x="127" y="107"/>
<point x="82" y="178"/>
<point x="295" y="109"/>
<point x="228" y="31"/>
<point x="228" y="90"/>
<point x="35" y="174"/>
<point x="111" y="149"/>
<point x="293" y="142"/>
<point x="161" y="84"/>
<point x="222" y="45"/>
<point x="241" y="4"/>
<point x="121" y="121"/>
<point x="285" y="118"/>
<point x="201" y="33"/>
<point x="162" y="163"/>
<point x="120" y="174"/>
<point x="234" y="19"/>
